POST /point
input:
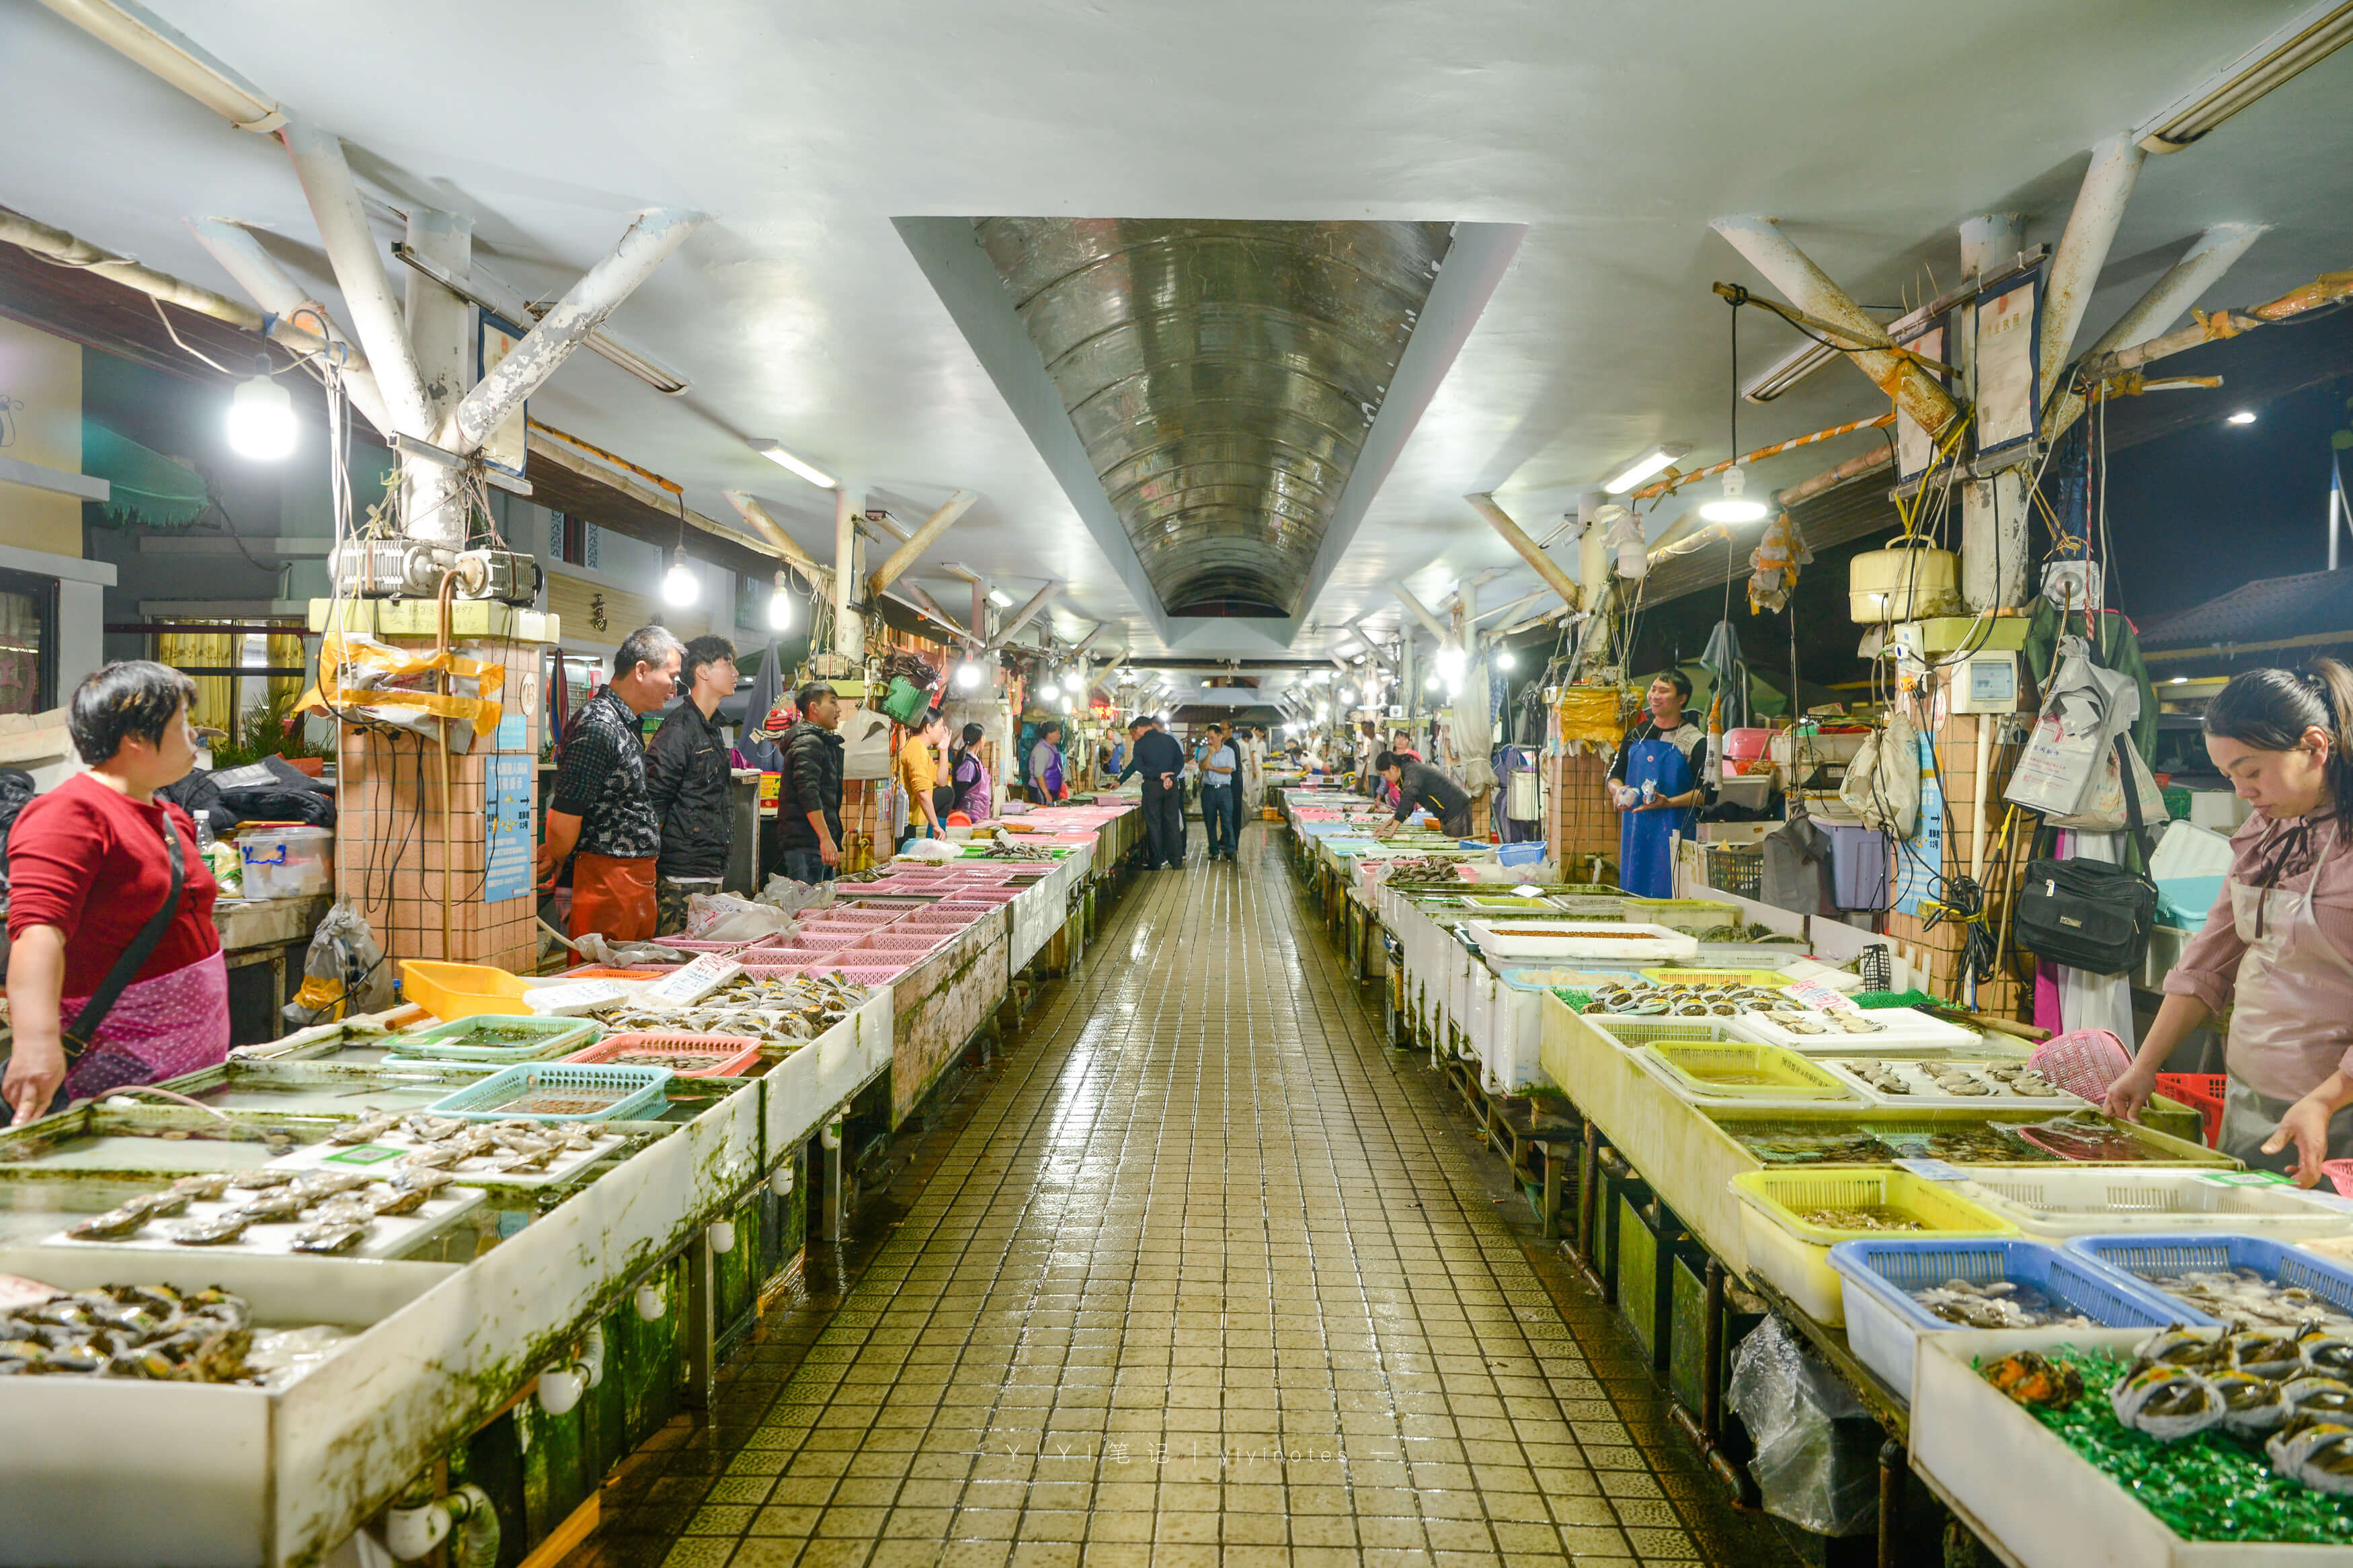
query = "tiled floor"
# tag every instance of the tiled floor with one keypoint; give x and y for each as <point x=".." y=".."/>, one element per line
<point x="1210" y="1277"/>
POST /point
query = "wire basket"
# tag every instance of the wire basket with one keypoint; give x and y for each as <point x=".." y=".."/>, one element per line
<point x="571" y="1093"/>
<point x="1736" y="868"/>
<point x="2085" y="1062"/>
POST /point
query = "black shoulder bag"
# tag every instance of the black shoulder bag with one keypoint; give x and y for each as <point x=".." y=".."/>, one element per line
<point x="2088" y="914"/>
<point x="134" y="958"/>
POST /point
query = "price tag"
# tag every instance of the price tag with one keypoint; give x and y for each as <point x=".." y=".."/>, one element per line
<point x="1934" y="1170"/>
<point x="571" y="1001"/>
<point x="1820" y="997"/>
<point x="684" y="987"/>
<point x="1528" y="891"/>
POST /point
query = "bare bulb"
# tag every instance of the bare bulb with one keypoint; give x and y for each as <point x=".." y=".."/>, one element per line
<point x="681" y="588"/>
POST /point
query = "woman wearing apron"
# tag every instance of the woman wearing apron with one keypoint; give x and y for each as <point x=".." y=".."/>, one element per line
<point x="2278" y="947"/>
<point x="1655" y="782"/>
<point x="115" y="975"/>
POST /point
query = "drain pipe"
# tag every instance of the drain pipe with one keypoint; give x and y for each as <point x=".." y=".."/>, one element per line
<point x="1813" y="290"/>
<point x="2084" y="250"/>
<point x="561" y="1386"/>
<point x="2200" y="268"/>
<point x="420" y="1521"/>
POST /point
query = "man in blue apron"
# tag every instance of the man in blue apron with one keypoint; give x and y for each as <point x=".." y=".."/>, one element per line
<point x="1655" y="782"/>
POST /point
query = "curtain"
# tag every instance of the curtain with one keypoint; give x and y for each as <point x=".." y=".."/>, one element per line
<point x="214" y="693"/>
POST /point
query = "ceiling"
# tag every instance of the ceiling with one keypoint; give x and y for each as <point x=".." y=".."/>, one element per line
<point x="1583" y="146"/>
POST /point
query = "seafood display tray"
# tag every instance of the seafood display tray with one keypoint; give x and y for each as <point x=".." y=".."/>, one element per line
<point x="1625" y="941"/>
<point x="388" y="1235"/>
<point x="1793" y="1250"/>
<point x="630" y="1092"/>
<point x="1877" y="1276"/>
<point x="1928" y="1093"/>
<point x="1700" y="1070"/>
<point x="2057" y="1203"/>
<point x="385" y="1151"/>
<point x="454" y="1041"/>
<point x="2139" y="1256"/>
<point x="2013" y="1480"/>
<point x="1901" y="1026"/>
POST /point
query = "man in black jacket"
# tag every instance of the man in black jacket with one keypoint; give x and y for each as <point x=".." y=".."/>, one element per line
<point x="808" y="808"/>
<point x="687" y="775"/>
<point x="1154" y="753"/>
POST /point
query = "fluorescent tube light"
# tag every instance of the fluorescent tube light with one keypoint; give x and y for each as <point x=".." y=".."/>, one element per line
<point x="776" y="453"/>
<point x="1653" y="461"/>
<point x="2303" y="42"/>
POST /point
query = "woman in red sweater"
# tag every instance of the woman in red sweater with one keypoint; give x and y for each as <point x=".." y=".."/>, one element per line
<point x="91" y="864"/>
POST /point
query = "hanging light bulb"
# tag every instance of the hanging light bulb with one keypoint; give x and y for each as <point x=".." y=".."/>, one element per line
<point x="780" y="610"/>
<point x="261" y="417"/>
<point x="1323" y="711"/>
<point x="1734" y="504"/>
<point x="1503" y="659"/>
<point x="968" y="675"/>
<point x="680" y="587"/>
<point x="1050" y="692"/>
<point x="1431" y="684"/>
<point x="1347" y="695"/>
<point x="1450" y="667"/>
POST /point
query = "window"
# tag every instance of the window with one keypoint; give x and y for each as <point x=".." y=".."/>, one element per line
<point x="28" y="643"/>
<point x="571" y="540"/>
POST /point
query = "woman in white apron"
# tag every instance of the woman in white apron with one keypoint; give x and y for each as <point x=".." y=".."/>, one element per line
<point x="2278" y="947"/>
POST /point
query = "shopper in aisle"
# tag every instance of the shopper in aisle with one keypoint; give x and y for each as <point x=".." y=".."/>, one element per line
<point x="1423" y="787"/>
<point x="1221" y="822"/>
<point x="1047" y="782"/>
<point x="972" y="791"/>
<point x="1253" y="748"/>
<point x="599" y="812"/>
<point x="1655" y="781"/>
<point x="808" y="795"/>
<point x="918" y="774"/>
<point x="129" y="985"/>
<point x="1154" y="755"/>
<point x="2277" y="946"/>
<point x="688" y="771"/>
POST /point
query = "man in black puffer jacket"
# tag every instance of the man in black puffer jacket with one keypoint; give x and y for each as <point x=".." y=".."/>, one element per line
<point x="687" y="774"/>
<point x="808" y="796"/>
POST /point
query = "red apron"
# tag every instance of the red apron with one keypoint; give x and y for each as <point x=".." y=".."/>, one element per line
<point x="613" y="897"/>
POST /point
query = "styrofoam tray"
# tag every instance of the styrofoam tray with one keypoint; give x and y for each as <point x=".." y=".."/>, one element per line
<point x="2108" y="1200"/>
<point x="1905" y="1029"/>
<point x="389" y="1235"/>
<point x="1926" y="1092"/>
<point x="388" y="1149"/>
<point x="1586" y="939"/>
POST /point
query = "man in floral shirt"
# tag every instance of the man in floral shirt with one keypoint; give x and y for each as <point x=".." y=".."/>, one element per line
<point x="599" y="806"/>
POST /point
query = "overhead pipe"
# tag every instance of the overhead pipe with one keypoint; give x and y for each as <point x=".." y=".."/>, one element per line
<point x="259" y="275"/>
<point x="1523" y="602"/>
<point x="358" y="263"/>
<point x="1772" y="449"/>
<point x="1807" y="286"/>
<point x="2083" y="251"/>
<point x="503" y="299"/>
<point x="1558" y="580"/>
<point x="769" y="529"/>
<point x="1022" y="617"/>
<point x="652" y="236"/>
<point x="922" y="539"/>
<point x="2325" y="290"/>
<point x="2200" y="268"/>
<point x="147" y="39"/>
<point x="58" y="246"/>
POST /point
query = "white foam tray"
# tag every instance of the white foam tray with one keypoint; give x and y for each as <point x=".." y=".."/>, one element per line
<point x="390" y="1236"/>
<point x="1927" y="1094"/>
<point x="1905" y="1029"/>
<point x="1607" y="938"/>
<point x="384" y="1155"/>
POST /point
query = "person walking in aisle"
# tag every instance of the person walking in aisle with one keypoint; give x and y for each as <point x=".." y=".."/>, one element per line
<point x="1154" y="753"/>
<point x="600" y="806"/>
<point x="1046" y="784"/>
<point x="1419" y="785"/>
<point x="974" y="793"/>
<point x="808" y="808"/>
<point x="1221" y="822"/>
<point x="1254" y="743"/>
<point x="688" y="772"/>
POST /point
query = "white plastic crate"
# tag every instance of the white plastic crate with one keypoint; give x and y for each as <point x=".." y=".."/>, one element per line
<point x="2056" y="1204"/>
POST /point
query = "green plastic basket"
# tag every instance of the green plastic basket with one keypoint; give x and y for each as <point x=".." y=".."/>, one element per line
<point x="628" y="1092"/>
<point x="455" y="1041"/>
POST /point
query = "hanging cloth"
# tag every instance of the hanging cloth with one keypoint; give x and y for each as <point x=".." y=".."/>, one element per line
<point x="1646" y="861"/>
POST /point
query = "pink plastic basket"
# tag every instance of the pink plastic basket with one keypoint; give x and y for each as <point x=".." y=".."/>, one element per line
<point x="2085" y="1062"/>
<point x="689" y="1056"/>
<point x="895" y="940"/>
<point x="861" y="974"/>
<point x="850" y="917"/>
<point x="2340" y="1173"/>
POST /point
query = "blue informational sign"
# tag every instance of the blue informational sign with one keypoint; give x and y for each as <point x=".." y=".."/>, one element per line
<point x="514" y="731"/>
<point x="1920" y="863"/>
<point x="506" y="818"/>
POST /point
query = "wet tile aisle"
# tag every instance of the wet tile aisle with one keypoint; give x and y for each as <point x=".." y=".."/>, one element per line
<point x="1211" y="1278"/>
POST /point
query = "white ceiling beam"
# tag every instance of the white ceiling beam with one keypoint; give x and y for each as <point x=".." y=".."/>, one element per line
<point x="2200" y="268"/>
<point x="358" y="263"/>
<point x="769" y="529"/>
<point x="939" y="522"/>
<point x="1022" y="617"/>
<point x="1558" y="580"/>
<point x="930" y="607"/>
<point x="2083" y="251"/>
<point x="1420" y="612"/>
<point x="259" y="275"/>
<point x="650" y="237"/>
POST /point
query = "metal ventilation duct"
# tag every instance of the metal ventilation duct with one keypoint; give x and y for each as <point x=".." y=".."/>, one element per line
<point x="1222" y="377"/>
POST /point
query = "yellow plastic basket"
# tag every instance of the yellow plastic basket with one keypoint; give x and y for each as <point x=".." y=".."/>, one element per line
<point x="454" y="990"/>
<point x="1747" y="1072"/>
<point x="1671" y="976"/>
<point x="1793" y="1252"/>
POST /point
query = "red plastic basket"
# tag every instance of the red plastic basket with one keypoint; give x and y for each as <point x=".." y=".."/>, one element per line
<point x="2085" y="1062"/>
<point x="2339" y="1173"/>
<point x="2203" y="1092"/>
<point x="687" y="1055"/>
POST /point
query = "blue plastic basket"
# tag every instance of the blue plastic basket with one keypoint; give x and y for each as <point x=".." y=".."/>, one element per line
<point x="1884" y="1323"/>
<point x="2141" y="1256"/>
<point x="1527" y="853"/>
<point x="637" y="1090"/>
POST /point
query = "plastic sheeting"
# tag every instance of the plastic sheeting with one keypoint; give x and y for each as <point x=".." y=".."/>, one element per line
<point x="1817" y="1460"/>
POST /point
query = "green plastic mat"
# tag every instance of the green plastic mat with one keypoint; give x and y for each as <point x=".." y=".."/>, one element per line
<point x="1898" y="999"/>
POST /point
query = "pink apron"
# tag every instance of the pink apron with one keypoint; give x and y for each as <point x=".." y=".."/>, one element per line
<point x="2291" y="1014"/>
<point x="158" y="1028"/>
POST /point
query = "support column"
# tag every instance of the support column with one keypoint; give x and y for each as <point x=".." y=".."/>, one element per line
<point x="849" y="631"/>
<point x="1995" y="539"/>
<point x="440" y="333"/>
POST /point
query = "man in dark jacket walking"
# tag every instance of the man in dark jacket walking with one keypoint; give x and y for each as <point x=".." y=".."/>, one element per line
<point x="687" y="775"/>
<point x="809" y="809"/>
<point x="1154" y="753"/>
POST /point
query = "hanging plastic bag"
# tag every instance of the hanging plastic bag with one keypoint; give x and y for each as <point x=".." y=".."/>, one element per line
<point x="2086" y="708"/>
<point x="1883" y="781"/>
<point x="725" y="917"/>
<point x="343" y="973"/>
<point x="1816" y="1460"/>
